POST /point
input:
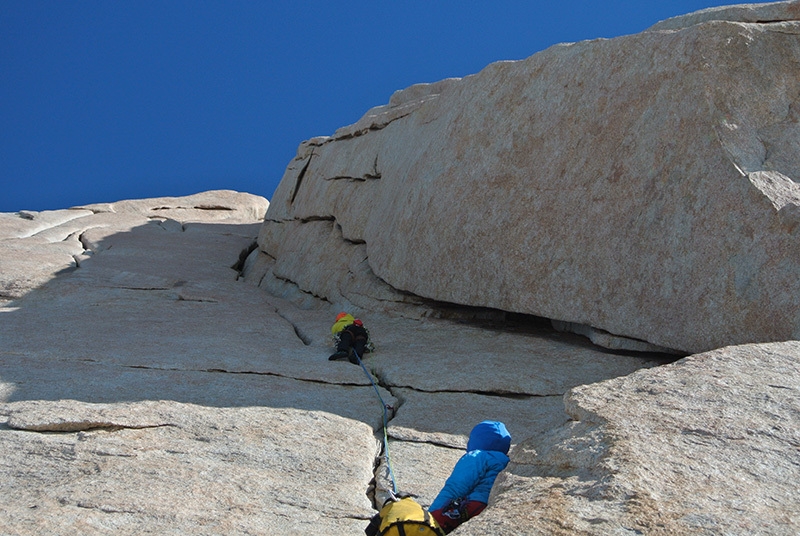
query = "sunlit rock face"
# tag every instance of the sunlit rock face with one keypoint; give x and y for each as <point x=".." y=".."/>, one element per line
<point x="707" y="445"/>
<point x="35" y="246"/>
<point x="147" y="389"/>
<point x="642" y="186"/>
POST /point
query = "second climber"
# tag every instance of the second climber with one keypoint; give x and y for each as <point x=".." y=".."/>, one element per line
<point x="350" y="337"/>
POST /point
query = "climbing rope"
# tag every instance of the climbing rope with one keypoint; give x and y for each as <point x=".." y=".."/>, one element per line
<point x="386" y="407"/>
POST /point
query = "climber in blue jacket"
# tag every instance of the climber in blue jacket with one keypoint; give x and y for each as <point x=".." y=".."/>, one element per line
<point x="466" y="492"/>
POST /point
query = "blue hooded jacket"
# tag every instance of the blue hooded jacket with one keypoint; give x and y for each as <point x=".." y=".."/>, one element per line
<point x="474" y="474"/>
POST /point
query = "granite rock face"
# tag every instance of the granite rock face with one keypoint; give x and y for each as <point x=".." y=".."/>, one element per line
<point x="35" y="246"/>
<point x="149" y="389"/>
<point x="767" y="12"/>
<point x="708" y="445"/>
<point x="639" y="193"/>
<point x="643" y="187"/>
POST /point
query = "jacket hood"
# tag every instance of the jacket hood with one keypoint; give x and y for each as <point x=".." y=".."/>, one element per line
<point x="489" y="435"/>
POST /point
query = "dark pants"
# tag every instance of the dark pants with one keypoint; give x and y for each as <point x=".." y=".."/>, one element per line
<point x="449" y="518"/>
<point x="354" y="337"/>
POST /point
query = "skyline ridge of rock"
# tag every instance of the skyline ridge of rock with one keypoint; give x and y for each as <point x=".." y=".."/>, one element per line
<point x="642" y="186"/>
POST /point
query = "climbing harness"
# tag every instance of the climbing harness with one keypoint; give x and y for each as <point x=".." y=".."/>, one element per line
<point x="386" y="408"/>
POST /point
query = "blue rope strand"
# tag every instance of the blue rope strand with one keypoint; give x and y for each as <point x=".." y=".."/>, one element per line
<point x="385" y="422"/>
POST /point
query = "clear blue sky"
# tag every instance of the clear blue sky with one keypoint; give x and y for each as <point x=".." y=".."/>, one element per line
<point x="107" y="100"/>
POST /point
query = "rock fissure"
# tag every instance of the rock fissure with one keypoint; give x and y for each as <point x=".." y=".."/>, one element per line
<point x="373" y="126"/>
<point x="84" y="242"/>
<point x="310" y="219"/>
<point x="375" y="173"/>
<point x="106" y="509"/>
<point x="300" y="177"/>
<point x="304" y="338"/>
<point x="141" y="288"/>
<point x="78" y="426"/>
<point x="301" y="289"/>
<point x="196" y="300"/>
<point x="201" y="206"/>
<point x="363" y="178"/>
<point x="214" y="207"/>
<point x="776" y="21"/>
<point x="239" y="264"/>
<point x="388" y="412"/>
<point x="495" y="394"/>
<point x="247" y="373"/>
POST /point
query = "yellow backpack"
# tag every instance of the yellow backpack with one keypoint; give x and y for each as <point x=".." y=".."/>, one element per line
<point x="404" y="517"/>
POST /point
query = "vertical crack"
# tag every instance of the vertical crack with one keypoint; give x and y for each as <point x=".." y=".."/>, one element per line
<point x="381" y="485"/>
<point x="375" y="173"/>
<point x="239" y="264"/>
<point x="300" y="177"/>
<point x="306" y="340"/>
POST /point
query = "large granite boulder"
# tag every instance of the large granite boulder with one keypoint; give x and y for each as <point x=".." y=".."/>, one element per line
<point x="642" y="186"/>
<point x="708" y="445"/>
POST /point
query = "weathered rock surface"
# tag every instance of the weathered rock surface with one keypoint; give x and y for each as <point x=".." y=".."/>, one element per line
<point x="172" y="468"/>
<point x="640" y="191"/>
<point x="643" y="186"/>
<point x="708" y="445"/>
<point x="767" y="12"/>
<point x="149" y="389"/>
<point x="35" y="246"/>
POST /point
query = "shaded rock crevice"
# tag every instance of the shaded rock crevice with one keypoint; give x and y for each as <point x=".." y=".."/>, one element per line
<point x="298" y="330"/>
<point x="81" y="426"/>
<point x="375" y="123"/>
<point x="309" y="219"/>
<point x="209" y="207"/>
<point x="104" y="509"/>
<point x="240" y="262"/>
<point x="511" y="395"/>
<point x="300" y="177"/>
<point x="360" y="285"/>
<point x="374" y="174"/>
<point x="300" y="289"/>
<point x="381" y="478"/>
<point x="321" y="381"/>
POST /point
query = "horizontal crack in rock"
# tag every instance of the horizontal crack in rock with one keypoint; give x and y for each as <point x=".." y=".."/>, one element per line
<point x="106" y="509"/>
<point x="248" y="372"/>
<point x="299" y="288"/>
<point x="370" y="128"/>
<point x="71" y="427"/>
<point x="497" y="394"/>
<point x="310" y="219"/>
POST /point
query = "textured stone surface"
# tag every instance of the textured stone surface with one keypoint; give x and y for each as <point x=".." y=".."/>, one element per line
<point x="475" y="359"/>
<point x="643" y="186"/>
<point x="149" y="390"/>
<point x="35" y="246"/>
<point x="146" y="389"/>
<point x="707" y="445"/>
<point x="757" y="13"/>
<point x="169" y="468"/>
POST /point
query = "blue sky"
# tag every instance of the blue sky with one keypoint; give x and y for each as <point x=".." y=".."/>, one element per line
<point x="107" y="100"/>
